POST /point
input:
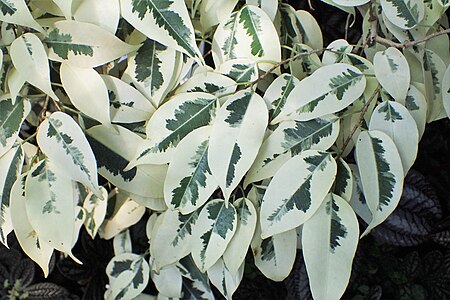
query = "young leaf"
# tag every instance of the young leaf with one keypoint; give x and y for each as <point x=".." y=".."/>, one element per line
<point x="223" y="279"/>
<point x="113" y="152"/>
<point x="165" y="21"/>
<point x="291" y="200"/>
<point x="152" y="69"/>
<point x="36" y="248"/>
<point x="234" y="255"/>
<point x="105" y="14"/>
<point x="171" y="237"/>
<point x="30" y="60"/>
<point x="394" y="119"/>
<point x="128" y="275"/>
<point x="290" y="139"/>
<point x="126" y="104"/>
<point x="87" y="92"/>
<point x="237" y="134"/>
<point x="17" y="12"/>
<point x="381" y="171"/>
<point x="63" y="142"/>
<point x="171" y="123"/>
<point x="12" y="115"/>
<point x="392" y="72"/>
<point x="49" y="205"/>
<point x="330" y="89"/>
<point x="95" y="209"/>
<point x="11" y="165"/>
<point x="15" y="82"/>
<point x="251" y="29"/>
<point x="84" y="45"/>
<point x="329" y="241"/>
<point x="212" y="233"/>
<point x="405" y="14"/>
<point x="189" y="182"/>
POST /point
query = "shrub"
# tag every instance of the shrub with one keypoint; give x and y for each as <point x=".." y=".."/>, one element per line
<point x="229" y="121"/>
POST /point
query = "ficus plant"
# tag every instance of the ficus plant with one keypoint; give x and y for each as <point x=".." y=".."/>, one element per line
<point x="228" y="121"/>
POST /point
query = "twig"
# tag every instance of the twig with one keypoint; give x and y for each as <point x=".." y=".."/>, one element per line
<point x="409" y="44"/>
<point x="360" y="119"/>
<point x="288" y="60"/>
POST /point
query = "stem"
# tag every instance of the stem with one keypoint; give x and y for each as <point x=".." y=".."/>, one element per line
<point x="70" y="109"/>
<point x="360" y="119"/>
<point x="29" y="138"/>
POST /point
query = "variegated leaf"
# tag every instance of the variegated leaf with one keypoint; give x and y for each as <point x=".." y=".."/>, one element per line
<point x="343" y="185"/>
<point x="165" y="21"/>
<point x="212" y="233"/>
<point x="11" y="167"/>
<point x="195" y="283"/>
<point x="189" y="182"/>
<point x="299" y="27"/>
<point x="329" y="241"/>
<point x="126" y="213"/>
<point x="66" y="7"/>
<point x="35" y="247"/>
<point x="291" y="200"/>
<point x="63" y="142"/>
<point x="392" y="72"/>
<point x="277" y="93"/>
<point x="446" y="90"/>
<point x="12" y="116"/>
<point x="208" y="82"/>
<point x="212" y="12"/>
<point x="30" y="60"/>
<point x="269" y="7"/>
<point x="224" y="280"/>
<point x="114" y="151"/>
<point x="290" y="139"/>
<point x="168" y="281"/>
<point x="357" y="201"/>
<point x="240" y="70"/>
<point x="171" y="237"/>
<point x="128" y="275"/>
<point x="15" y="82"/>
<point x="171" y="123"/>
<point x="50" y="201"/>
<point x="305" y="65"/>
<point x="433" y="70"/>
<point x="122" y="242"/>
<point x="95" y="209"/>
<point x="329" y="89"/>
<point x="394" y="119"/>
<point x="253" y="31"/>
<point x="87" y="92"/>
<point x="275" y="255"/>
<point x="350" y="2"/>
<point x="126" y="104"/>
<point x="104" y="13"/>
<point x="234" y="255"/>
<point x="84" y="45"/>
<point x="237" y="134"/>
<point x="405" y="14"/>
<point x="152" y="68"/>
<point x="337" y="51"/>
<point x="17" y="12"/>
<point x="381" y="171"/>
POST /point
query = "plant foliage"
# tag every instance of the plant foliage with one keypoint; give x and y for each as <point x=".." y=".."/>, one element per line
<point x="228" y="122"/>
